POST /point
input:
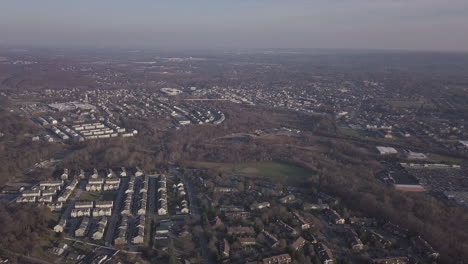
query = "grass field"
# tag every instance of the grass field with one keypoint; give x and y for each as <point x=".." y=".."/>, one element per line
<point x="97" y="196"/>
<point x="90" y="196"/>
<point x="55" y="217"/>
<point x="350" y="132"/>
<point x="448" y="159"/>
<point x="274" y="171"/>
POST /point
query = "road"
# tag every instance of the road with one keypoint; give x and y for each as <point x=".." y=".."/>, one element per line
<point x="98" y="250"/>
<point x="71" y="203"/>
<point x="116" y="212"/>
<point x="152" y="194"/>
<point x="194" y="211"/>
<point x="90" y="244"/>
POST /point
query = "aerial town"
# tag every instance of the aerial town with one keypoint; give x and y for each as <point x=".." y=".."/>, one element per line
<point x="234" y="157"/>
<point x="272" y="222"/>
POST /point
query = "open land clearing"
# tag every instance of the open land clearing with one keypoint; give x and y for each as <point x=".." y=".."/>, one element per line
<point x="274" y="171"/>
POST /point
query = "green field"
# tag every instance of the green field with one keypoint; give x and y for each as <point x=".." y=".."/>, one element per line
<point x="274" y="171"/>
<point x="447" y="159"/>
<point x="98" y="196"/>
<point x="90" y="196"/>
<point x="350" y="132"/>
<point x="55" y="217"/>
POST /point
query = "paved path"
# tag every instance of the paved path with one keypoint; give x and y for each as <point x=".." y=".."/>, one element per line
<point x="152" y="191"/>
<point x="88" y="243"/>
<point x="71" y="202"/>
<point x="116" y="212"/>
<point x="194" y="211"/>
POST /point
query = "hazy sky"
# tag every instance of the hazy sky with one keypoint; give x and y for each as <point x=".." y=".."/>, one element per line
<point x="355" y="24"/>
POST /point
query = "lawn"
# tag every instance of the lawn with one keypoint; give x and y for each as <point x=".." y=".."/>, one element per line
<point x="55" y="216"/>
<point x="274" y="171"/>
<point x="90" y="196"/>
<point x="98" y="196"/>
<point x="447" y="159"/>
<point x="350" y="132"/>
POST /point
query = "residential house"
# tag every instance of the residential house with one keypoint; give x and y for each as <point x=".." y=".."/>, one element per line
<point x="325" y="254"/>
<point x="240" y="230"/>
<point x="53" y="183"/>
<point x="308" y="207"/>
<point x="78" y="212"/>
<point x="225" y="189"/>
<point x="64" y="175"/>
<point x="55" y="206"/>
<point x="424" y="247"/>
<point x="334" y="217"/>
<point x="99" y="233"/>
<point x="95" y="174"/>
<point x="298" y="244"/>
<point x="304" y="223"/>
<point x="279" y="259"/>
<point x="140" y="236"/>
<point x="376" y="237"/>
<point x="271" y="239"/>
<point x="259" y="206"/>
<point x="246" y="241"/>
<point x="237" y="215"/>
<point x="138" y="172"/>
<point x="121" y="238"/>
<point x="65" y="195"/>
<point x="287" y="228"/>
<point x="354" y="240"/>
<point x="104" y="204"/>
<point x="60" y="226"/>
<point x="45" y="199"/>
<point x="98" y="212"/>
<point x="84" y="204"/>
<point x="83" y="228"/>
<point x="31" y="193"/>
<point x="224" y="248"/>
<point x="287" y="199"/>
<point x="27" y="199"/>
<point x="123" y="172"/>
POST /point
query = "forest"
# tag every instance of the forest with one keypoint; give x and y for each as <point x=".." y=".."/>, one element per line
<point x="25" y="228"/>
<point x="17" y="151"/>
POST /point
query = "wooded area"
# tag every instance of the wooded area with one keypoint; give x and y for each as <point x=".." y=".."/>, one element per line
<point x="24" y="228"/>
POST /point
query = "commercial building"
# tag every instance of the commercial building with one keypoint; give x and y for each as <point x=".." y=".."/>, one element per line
<point x="387" y="150"/>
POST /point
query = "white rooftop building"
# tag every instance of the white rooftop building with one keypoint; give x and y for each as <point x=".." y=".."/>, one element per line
<point x="387" y="150"/>
<point x="464" y="143"/>
<point x="415" y="155"/>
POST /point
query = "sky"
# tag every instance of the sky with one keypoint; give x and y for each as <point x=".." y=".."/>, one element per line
<point x="435" y="25"/>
